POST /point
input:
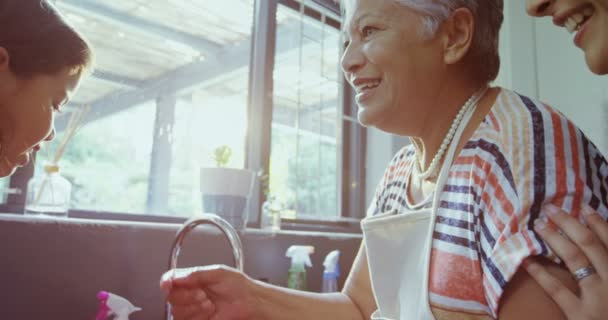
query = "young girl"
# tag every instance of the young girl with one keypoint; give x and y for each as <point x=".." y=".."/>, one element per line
<point x="42" y="59"/>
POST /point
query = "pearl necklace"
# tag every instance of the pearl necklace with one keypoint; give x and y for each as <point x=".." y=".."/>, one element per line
<point x="431" y="171"/>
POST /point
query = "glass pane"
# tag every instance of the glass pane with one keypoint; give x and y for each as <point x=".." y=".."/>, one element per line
<point x="305" y="131"/>
<point x="226" y="21"/>
<point x="169" y="86"/>
<point x="211" y="117"/>
<point x="108" y="161"/>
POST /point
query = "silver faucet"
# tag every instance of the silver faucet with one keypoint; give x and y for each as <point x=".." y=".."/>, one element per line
<point x="207" y="218"/>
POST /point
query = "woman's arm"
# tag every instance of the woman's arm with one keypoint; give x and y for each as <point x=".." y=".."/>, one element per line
<point x="548" y="291"/>
<point x="525" y="299"/>
<point x="358" y="285"/>
<point x="219" y="292"/>
<point x="581" y="247"/>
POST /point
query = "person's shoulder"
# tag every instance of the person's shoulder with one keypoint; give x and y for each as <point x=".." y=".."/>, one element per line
<point x="521" y="127"/>
<point x="400" y="161"/>
<point x="539" y="127"/>
<point x="524" y="134"/>
<point x="404" y="154"/>
<point x="516" y="111"/>
<point x="513" y="134"/>
<point x="391" y="183"/>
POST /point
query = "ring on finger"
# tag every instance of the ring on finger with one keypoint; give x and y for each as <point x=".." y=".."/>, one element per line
<point x="583" y="272"/>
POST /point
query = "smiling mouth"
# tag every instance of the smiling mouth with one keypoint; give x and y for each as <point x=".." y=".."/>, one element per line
<point x="370" y="85"/>
<point x="575" y="22"/>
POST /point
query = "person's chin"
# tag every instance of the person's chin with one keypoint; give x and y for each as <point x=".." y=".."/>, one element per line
<point x="367" y="115"/>
<point x="595" y="62"/>
<point x="597" y="66"/>
<point x="364" y="118"/>
<point x="371" y="117"/>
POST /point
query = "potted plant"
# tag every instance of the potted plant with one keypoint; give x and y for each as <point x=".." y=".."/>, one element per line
<point x="225" y="191"/>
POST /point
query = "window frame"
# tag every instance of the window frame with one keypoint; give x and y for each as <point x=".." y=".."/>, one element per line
<point x="351" y="157"/>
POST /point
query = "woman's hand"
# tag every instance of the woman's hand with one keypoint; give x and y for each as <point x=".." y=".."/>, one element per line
<point x="580" y="248"/>
<point x="211" y="292"/>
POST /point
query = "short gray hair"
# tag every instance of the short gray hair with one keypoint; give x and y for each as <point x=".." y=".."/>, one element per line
<point x="483" y="54"/>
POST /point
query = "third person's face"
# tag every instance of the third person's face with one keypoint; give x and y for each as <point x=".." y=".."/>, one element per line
<point x="587" y="20"/>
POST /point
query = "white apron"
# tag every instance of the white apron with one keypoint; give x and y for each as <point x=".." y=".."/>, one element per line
<point x="398" y="249"/>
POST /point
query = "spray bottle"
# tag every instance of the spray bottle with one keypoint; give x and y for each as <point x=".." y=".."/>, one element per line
<point x="300" y="259"/>
<point x="113" y="305"/>
<point x="331" y="273"/>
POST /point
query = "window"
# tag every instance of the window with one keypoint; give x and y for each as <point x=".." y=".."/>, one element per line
<point x="200" y="127"/>
<point x="174" y="80"/>
<point x="168" y="77"/>
<point x="306" y="111"/>
<point x="108" y="165"/>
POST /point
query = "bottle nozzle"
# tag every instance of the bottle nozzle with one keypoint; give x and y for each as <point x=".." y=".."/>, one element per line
<point x="300" y="255"/>
<point x="103" y="296"/>
<point x="113" y="304"/>
<point x="331" y="263"/>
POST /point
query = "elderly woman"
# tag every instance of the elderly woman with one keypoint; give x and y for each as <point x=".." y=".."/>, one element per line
<point x="453" y="217"/>
<point x="583" y="248"/>
<point x="42" y="59"/>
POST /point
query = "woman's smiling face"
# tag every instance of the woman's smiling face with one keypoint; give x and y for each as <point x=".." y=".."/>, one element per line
<point x="587" y="20"/>
<point x="388" y="63"/>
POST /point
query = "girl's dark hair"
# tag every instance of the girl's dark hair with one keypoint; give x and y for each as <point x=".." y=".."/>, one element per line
<point x="39" y="40"/>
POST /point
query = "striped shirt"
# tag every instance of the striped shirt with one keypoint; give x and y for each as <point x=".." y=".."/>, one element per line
<point x="522" y="155"/>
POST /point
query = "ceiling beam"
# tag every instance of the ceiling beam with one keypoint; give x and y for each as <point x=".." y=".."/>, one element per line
<point x="113" y="16"/>
<point x="186" y="77"/>
<point x="172" y="82"/>
<point x="117" y="78"/>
